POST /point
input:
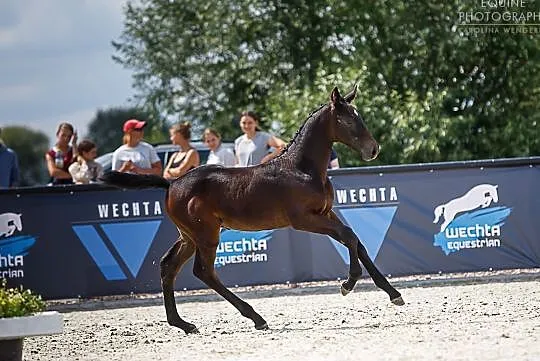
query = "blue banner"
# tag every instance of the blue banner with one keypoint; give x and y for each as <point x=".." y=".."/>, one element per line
<point x="88" y="240"/>
<point x="447" y="220"/>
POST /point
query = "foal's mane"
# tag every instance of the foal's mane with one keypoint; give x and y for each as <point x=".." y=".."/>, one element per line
<point x="302" y="128"/>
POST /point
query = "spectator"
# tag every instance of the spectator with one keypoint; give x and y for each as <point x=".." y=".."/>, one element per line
<point x="185" y="159"/>
<point x="9" y="166"/>
<point x="60" y="157"/>
<point x="135" y="155"/>
<point x="253" y="147"/>
<point x="334" y="161"/>
<point x="85" y="169"/>
<point x="218" y="154"/>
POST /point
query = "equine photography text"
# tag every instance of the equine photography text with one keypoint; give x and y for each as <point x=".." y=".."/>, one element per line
<point x="500" y="16"/>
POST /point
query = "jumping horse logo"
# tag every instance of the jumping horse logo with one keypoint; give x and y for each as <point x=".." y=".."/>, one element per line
<point x="9" y="222"/>
<point x="480" y="196"/>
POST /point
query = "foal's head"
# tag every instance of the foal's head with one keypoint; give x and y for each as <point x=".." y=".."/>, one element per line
<point x="349" y="127"/>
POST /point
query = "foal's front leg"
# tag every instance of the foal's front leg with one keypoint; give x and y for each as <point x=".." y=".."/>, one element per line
<point x="332" y="226"/>
<point x="378" y="278"/>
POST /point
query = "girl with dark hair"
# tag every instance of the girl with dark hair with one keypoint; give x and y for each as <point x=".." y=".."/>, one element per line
<point x="60" y="157"/>
<point x="85" y="169"/>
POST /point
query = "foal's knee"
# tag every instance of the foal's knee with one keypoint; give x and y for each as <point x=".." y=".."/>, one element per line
<point x="348" y="235"/>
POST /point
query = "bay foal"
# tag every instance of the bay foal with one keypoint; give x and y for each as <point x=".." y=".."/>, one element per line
<point x="293" y="188"/>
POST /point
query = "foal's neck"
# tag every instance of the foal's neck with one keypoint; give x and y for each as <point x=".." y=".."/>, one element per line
<point x="310" y="149"/>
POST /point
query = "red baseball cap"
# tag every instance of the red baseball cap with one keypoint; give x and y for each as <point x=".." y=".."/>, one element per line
<point x="133" y="124"/>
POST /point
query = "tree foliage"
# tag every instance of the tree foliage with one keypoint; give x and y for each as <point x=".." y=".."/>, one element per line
<point x="105" y="129"/>
<point x="430" y="88"/>
<point x="30" y="146"/>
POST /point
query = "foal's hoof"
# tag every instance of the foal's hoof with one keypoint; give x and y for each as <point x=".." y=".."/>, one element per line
<point x="344" y="291"/>
<point x="398" y="301"/>
<point x="184" y="326"/>
<point x="191" y="329"/>
<point x="263" y="326"/>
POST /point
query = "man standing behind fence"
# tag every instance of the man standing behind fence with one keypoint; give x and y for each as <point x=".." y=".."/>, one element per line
<point x="9" y="166"/>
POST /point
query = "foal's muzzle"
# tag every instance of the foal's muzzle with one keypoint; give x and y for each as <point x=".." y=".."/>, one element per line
<point x="370" y="152"/>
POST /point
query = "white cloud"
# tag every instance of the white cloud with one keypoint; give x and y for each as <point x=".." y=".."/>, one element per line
<point x="55" y="62"/>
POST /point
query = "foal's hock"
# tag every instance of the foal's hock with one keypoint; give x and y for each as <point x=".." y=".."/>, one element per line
<point x="294" y="188"/>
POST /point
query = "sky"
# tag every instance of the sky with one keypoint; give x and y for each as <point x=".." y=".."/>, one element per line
<point x="56" y="65"/>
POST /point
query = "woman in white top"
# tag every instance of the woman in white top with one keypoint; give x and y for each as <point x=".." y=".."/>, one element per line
<point x="218" y="154"/>
<point x="136" y="156"/>
<point x="253" y="147"/>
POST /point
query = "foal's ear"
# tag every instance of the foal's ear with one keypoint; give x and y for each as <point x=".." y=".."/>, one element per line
<point x="335" y="96"/>
<point x="350" y="97"/>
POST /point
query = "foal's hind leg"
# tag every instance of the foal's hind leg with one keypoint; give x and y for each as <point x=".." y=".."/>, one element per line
<point x="204" y="269"/>
<point x="170" y="265"/>
<point x="378" y="278"/>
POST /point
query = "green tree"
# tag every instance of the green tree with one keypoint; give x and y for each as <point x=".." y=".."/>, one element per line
<point x="430" y="89"/>
<point x="30" y="146"/>
<point x="208" y="61"/>
<point x="105" y="129"/>
<point x="399" y="123"/>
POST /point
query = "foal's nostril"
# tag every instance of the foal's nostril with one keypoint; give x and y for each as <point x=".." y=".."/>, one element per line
<point x="375" y="151"/>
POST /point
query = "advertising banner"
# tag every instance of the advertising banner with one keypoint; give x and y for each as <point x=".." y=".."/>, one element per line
<point x="102" y="242"/>
<point x="92" y="241"/>
<point x="443" y="220"/>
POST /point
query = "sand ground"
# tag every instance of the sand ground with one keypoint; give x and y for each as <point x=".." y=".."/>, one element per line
<point x="459" y="317"/>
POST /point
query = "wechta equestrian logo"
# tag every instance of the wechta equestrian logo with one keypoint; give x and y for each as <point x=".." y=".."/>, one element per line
<point x="465" y="226"/>
<point x="13" y="248"/>
<point x="242" y="247"/>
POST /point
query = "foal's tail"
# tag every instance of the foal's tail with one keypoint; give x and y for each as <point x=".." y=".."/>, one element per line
<point x="127" y="180"/>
